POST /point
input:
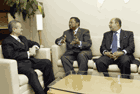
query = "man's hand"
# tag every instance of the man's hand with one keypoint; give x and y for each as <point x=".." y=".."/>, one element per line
<point x="75" y="41"/>
<point x="117" y="54"/>
<point x="63" y="39"/>
<point x="32" y="51"/>
<point x="109" y="54"/>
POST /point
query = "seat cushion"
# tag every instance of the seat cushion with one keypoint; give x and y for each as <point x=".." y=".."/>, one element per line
<point x="139" y="69"/>
<point x="114" y="68"/>
<point x="24" y="80"/>
<point x="75" y="64"/>
<point x="92" y="65"/>
<point x="26" y="87"/>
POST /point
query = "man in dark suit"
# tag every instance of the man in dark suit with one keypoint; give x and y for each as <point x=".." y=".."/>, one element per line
<point x="78" y="45"/>
<point x="17" y="47"/>
<point x="117" y="48"/>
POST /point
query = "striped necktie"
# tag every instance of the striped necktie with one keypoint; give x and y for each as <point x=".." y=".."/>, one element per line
<point x="20" y="41"/>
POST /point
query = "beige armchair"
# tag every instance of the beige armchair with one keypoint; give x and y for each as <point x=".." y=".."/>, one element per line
<point x="13" y="83"/>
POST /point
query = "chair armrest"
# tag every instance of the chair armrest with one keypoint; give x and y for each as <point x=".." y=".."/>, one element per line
<point x="43" y="53"/>
<point x="9" y="80"/>
<point x="57" y="52"/>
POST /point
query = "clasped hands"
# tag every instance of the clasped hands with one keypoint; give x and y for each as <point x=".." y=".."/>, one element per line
<point x="114" y="55"/>
<point x="75" y="40"/>
<point x="32" y="51"/>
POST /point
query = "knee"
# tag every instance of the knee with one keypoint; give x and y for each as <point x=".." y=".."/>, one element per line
<point x="98" y="62"/>
<point x="47" y="62"/>
<point x="82" y="54"/>
<point x="31" y="72"/>
<point x="125" y="59"/>
<point x="63" y="58"/>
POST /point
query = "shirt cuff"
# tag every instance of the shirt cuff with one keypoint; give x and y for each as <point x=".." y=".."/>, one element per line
<point x="80" y="45"/>
<point x="104" y="52"/>
<point x="59" y="42"/>
<point x="28" y="54"/>
<point x="37" y="48"/>
<point x="125" y="52"/>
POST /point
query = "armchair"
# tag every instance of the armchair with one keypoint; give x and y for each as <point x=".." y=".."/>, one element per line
<point x="13" y="83"/>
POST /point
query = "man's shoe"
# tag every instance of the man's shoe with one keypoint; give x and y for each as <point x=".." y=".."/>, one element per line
<point x="125" y="76"/>
<point x="106" y="74"/>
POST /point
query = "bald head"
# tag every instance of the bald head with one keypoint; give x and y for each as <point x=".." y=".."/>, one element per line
<point x="115" y="24"/>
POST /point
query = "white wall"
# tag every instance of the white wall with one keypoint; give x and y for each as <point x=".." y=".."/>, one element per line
<point x="58" y="12"/>
<point x="29" y="26"/>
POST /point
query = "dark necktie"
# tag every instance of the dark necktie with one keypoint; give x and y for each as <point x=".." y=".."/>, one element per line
<point x="114" y="43"/>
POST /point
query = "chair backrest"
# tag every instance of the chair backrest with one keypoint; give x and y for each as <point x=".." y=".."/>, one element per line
<point x="1" y="55"/>
<point x="137" y="46"/>
<point x="96" y="43"/>
<point x="97" y="40"/>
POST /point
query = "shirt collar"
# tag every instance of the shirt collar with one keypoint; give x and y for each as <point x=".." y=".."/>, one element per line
<point x="15" y="37"/>
<point x="119" y="31"/>
<point x="76" y="30"/>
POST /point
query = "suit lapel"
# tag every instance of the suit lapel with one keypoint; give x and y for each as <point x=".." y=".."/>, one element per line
<point x="78" y="33"/>
<point x="24" y="41"/>
<point x="121" y="38"/>
<point x="121" y="35"/>
<point x="17" y="43"/>
<point x="110" y="37"/>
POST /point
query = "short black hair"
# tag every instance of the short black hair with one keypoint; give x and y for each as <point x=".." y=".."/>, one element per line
<point x="12" y="24"/>
<point x="119" y="21"/>
<point x="76" y="19"/>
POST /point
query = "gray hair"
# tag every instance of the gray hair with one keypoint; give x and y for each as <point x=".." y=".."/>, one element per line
<point x="12" y="24"/>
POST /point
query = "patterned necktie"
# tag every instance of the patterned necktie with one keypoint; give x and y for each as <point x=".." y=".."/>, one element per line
<point x="114" y="43"/>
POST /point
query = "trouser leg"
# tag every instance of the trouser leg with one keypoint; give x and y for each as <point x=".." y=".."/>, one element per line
<point x="33" y="79"/>
<point x="45" y="66"/>
<point x="67" y="62"/>
<point x="102" y="64"/>
<point x="124" y="64"/>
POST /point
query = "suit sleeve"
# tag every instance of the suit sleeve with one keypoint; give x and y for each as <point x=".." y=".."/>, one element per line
<point x="10" y="53"/>
<point x="131" y="47"/>
<point x="58" y="39"/>
<point x="32" y="43"/>
<point x="103" y="45"/>
<point x="86" y="43"/>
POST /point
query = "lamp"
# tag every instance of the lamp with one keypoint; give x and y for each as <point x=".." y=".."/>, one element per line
<point x="39" y="23"/>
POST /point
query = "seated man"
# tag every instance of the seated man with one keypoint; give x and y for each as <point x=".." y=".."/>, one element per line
<point x="117" y="48"/>
<point x="78" y="45"/>
<point x="17" y="47"/>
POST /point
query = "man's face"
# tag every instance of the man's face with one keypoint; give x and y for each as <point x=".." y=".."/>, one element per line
<point x="112" y="25"/>
<point x="18" y="29"/>
<point x="72" y="24"/>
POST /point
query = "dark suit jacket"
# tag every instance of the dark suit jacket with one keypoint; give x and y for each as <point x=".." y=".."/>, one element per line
<point x="12" y="49"/>
<point x="82" y="34"/>
<point x="126" y="42"/>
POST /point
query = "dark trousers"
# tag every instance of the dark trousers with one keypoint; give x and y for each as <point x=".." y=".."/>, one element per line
<point x="81" y="57"/>
<point x="27" y="67"/>
<point x="123" y="63"/>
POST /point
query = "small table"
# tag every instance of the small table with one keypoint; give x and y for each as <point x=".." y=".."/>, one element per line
<point x="93" y="83"/>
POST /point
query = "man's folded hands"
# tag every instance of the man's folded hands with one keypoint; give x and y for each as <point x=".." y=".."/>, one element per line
<point x="114" y="55"/>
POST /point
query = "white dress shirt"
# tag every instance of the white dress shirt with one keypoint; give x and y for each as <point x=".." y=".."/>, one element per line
<point x="118" y="41"/>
